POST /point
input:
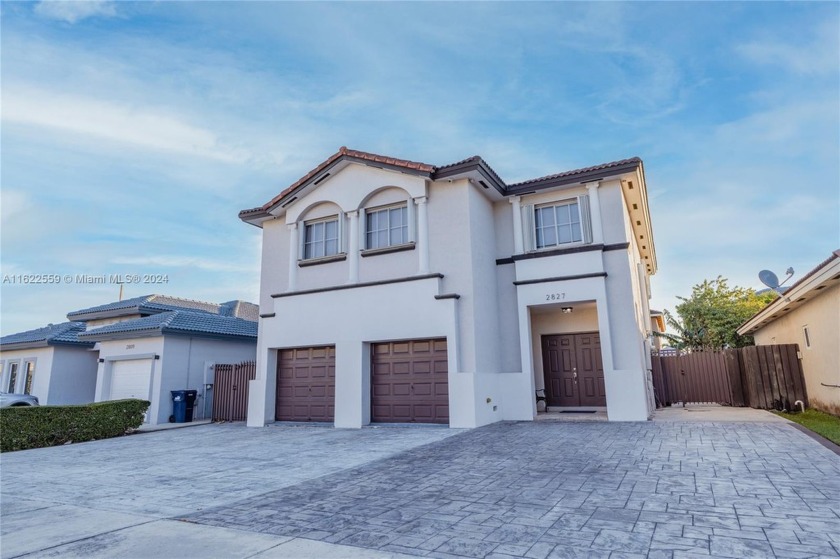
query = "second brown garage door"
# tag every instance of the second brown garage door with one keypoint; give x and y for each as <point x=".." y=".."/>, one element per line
<point x="306" y="384"/>
<point x="410" y="382"/>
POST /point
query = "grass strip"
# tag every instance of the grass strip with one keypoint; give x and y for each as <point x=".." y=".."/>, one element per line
<point x="819" y="422"/>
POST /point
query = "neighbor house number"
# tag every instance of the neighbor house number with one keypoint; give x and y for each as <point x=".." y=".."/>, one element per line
<point x="129" y="346"/>
<point x="555" y="296"/>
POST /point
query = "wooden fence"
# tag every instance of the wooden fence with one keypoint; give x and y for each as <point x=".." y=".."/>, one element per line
<point x="765" y="377"/>
<point x="230" y="390"/>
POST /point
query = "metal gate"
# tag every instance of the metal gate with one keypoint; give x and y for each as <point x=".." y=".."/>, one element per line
<point x="230" y="390"/>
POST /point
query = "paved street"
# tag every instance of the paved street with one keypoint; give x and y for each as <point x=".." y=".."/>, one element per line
<point x="535" y="490"/>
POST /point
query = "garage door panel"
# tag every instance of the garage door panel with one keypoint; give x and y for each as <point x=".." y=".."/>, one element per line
<point x="306" y="384"/>
<point x="131" y="379"/>
<point x="410" y="382"/>
<point x="422" y="389"/>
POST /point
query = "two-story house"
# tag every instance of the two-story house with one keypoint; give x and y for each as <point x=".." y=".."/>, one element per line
<point x="397" y="291"/>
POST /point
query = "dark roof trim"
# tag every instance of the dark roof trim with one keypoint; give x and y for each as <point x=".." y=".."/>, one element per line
<point x="577" y="176"/>
<point x="561" y="251"/>
<point x="561" y="278"/>
<point x="474" y="163"/>
<point x="357" y="285"/>
<point x="471" y="164"/>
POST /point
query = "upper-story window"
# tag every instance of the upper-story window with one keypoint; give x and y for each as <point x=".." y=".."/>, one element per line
<point x="557" y="224"/>
<point x="321" y="238"/>
<point x="386" y="227"/>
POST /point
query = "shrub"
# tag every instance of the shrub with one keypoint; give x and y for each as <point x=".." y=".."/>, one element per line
<point x="40" y="426"/>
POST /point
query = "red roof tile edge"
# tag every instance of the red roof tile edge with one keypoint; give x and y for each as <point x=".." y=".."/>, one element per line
<point x="343" y="151"/>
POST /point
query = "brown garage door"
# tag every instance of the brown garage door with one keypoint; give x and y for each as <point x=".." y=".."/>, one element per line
<point x="306" y="384"/>
<point x="410" y="382"/>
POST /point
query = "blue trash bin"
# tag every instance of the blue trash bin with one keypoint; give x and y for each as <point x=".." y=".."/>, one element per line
<point x="179" y="406"/>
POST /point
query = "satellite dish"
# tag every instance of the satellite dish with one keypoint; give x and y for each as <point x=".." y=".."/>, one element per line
<point x="769" y="279"/>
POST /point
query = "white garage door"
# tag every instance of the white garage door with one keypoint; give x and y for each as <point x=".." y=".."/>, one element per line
<point x="131" y="379"/>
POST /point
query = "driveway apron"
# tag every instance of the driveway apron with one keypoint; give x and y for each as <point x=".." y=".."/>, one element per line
<point x="549" y="489"/>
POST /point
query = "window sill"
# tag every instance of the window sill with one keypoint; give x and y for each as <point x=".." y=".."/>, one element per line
<point x="322" y="260"/>
<point x="387" y="250"/>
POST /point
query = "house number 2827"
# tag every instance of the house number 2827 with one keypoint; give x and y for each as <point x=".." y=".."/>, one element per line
<point x="555" y="296"/>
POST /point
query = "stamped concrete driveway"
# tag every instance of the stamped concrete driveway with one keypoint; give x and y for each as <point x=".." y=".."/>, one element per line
<point x="536" y="490"/>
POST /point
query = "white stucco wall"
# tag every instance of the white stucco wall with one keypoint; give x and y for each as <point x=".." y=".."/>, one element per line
<point x="351" y="320"/>
<point x="490" y="329"/>
<point x="43" y="359"/>
<point x="820" y="362"/>
<point x="63" y="374"/>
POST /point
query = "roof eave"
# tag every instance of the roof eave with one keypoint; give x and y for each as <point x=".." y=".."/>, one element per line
<point x="210" y="335"/>
<point x="463" y="169"/>
<point x="111" y="313"/>
<point x="791" y="298"/>
<point x="24" y="345"/>
<point x="269" y="210"/>
<point x="107" y="336"/>
<point x="576" y="178"/>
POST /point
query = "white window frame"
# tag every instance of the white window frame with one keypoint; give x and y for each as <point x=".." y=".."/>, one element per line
<point x="24" y="378"/>
<point x="7" y="376"/>
<point x="408" y="225"/>
<point x="338" y="219"/>
<point x="556" y="204"/>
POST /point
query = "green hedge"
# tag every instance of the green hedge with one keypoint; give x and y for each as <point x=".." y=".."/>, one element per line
<point x="39" y="426"/>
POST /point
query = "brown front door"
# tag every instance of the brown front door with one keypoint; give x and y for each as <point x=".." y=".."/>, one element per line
<point x="573" y="371"/>
<point x="410" y="382"/>
<point x="306" y="384"/>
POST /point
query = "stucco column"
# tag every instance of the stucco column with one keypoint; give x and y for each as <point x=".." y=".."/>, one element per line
<point x="422" y="234"/>
<point x="518" y="244"/>
<point x="353" y="248"/>
<point x="595" y="211"/>
<point x="293" y="255"/>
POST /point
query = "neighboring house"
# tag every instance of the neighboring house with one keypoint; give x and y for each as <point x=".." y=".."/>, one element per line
<point x="144" y="348"/>
<point x="51" y="363"/>
<point x="397" y="291"/>
<point x="149" y="346"/>
<point x="657" y="326"/>
<point x="808" y="314"/>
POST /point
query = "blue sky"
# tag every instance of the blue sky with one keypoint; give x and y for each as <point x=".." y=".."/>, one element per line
<point x="133" y="133"/>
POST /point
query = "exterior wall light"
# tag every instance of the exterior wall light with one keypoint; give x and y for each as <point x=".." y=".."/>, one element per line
<point x="566" y="310"/>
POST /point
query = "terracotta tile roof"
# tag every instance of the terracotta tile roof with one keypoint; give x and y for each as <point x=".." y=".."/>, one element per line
<point x="432" y="170"/>
<point x="342" y="152"/>
<point x="601" y="167"/>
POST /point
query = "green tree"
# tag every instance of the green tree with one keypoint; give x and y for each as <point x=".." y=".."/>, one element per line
<point x="709" y="317"/>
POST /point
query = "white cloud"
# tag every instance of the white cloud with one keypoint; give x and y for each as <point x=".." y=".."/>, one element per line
<point x="174" y="261"/>
<point x="72" y="11"/>
<point x="146" y="127"/>
<point x="819" y="56"/>
<point x="12" y="202"/>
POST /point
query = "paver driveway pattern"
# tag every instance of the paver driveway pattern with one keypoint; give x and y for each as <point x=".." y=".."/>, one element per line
<point x="549" y="489"/>
<point x="113" y="498"/>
